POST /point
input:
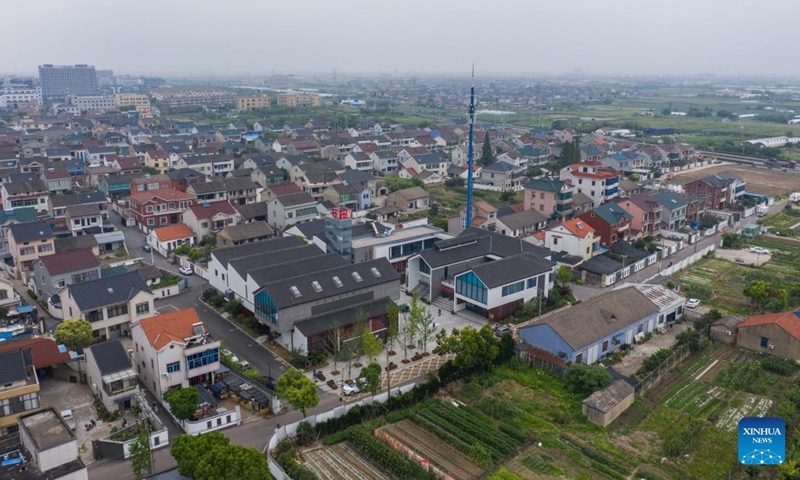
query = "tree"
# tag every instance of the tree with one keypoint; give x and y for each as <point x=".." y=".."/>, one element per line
<point x="188" y="450"/>
<point x="433" y="211"/>
<point x="507" y="349"/>
<point x="140" y="454"/>
<point x="371" y="375"/>
<point x="182" y="402"/>
<point x="564" y="276"/>
<point x="733" y="241"/>
<point x="393" y="319"/>
<point x="708" y="221"/>
<point x="370" y="344"/>
<point x="299" y="390"/>
<point x="232" y="462"/>
<point x="75" y="334"/>
<point x="586" y="379"/>
<point x="691" y="338"/>
<point x="766" y="296"/>
<point x="407" y="333"/>
<point x="475" y="350"/>
<point x="426" y="328"/>
<point x="417" y="315"/>
<point x="335" y="340"/>
<point x="487" y="158"/>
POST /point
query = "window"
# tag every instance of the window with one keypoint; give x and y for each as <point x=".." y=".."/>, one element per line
<point x="605" y="346"/>
<point x="640" y="328"/>
<point x="289" y="215"/>
<point x="579" y="358"/>
<point x="357" y="277"/>
<point x="174" y="367"/>
<point x="295" y="291"/>
<point x="531" y="283"/>
<point x="117" y="310"/>
<point x="556" y="239"/>
<point x="148" y="209"/>
<point x="424" y="267"/>
<point x="94" y="316"/>
<point x="764" y="342"/>
<point x="164" y="220"/>
<point x="317" y="286"/>
<point x="470" y="286"/>
<point x="375" y="272"/>
<point x="151" y="221"/>
<point x="142" y="308"/>
<point x="513" y="288"/>
<point x="47" y="247"/>
<point x="338" y="282"/>
<point x="202" y="358"/>
<point x="541" y="195"/>
<point x="27" y="251"/>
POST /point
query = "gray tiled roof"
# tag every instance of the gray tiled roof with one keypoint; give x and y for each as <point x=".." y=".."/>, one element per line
<point x="83" y="210"/>
<point x="12" y="367"/>
<point x="294" y="199"/>
<point x="248" y="231"/>
<point x="107" y="291"/>
<point x="598" y="317"/>
<point x="252" y="210"/>
<point x="511" y="269"/>
<point x="208" y="187"/>
<point x="78" y="198"/>
<point x="110" y="357"/>
<point x="229" y="254"/>
<point x="291" y="263"/>
<point x="31" y="186"/>
<point x="523" y="219"/>
<point x="30" y="231"/>
<point x="476" y="243"/>
<point x="608" y="398"/>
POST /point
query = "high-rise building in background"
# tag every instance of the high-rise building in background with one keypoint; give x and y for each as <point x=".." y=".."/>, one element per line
<point x="59" y="81"/>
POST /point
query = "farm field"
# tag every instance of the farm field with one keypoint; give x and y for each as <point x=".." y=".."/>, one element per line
<point x="342" y="462"/>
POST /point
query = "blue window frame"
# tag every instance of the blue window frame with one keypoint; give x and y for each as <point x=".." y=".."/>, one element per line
<point x="513" y="288"/>
<point x="531" y="283"/>
<point x="424" y="267"/>
<point x="764" y="342"/>
<point x="470" y="286"/>
<point x="197" y="360"/>
<point x="173" y="367"/>
<point x="265" y="307"/>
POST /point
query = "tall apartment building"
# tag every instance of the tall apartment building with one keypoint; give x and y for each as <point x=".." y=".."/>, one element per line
<point x="131" y="99"/>
<point x="93" y="102"/>
<point x="298" y="100"/>
<point x="60" y="80"/>
<point x="251" y="103"/>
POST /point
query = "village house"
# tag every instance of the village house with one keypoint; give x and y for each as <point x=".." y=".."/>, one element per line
<point x="550" y="197"/>
<point x="244" y="233"/>
<point x="33" y="193"/>
<point x="645" y="212"/>
<point x="574" y="237"/>
<point x="611" y="222"/>
<point x="28" y="242"/>
<point x="288" y="210"/>
<point x="409" y="200"/>
<point x="592" y="179"/>
<point x="166" y="239"/>
<point x="159" y="207"/>
<point x="54" y="272"/>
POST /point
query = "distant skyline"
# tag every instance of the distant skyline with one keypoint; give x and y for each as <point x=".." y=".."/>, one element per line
<point x="205" y="37"/>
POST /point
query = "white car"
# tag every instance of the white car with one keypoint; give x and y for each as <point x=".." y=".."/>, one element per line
<point x="759" y="250"/>
<point x="69" y="418"/>
<point x="692" y="303"/>
<point x="352" y="388"/>
<point x="186" y="270"/>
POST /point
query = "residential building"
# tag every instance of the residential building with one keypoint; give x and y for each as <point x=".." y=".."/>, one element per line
<point x="611" y="222"/>
<point x="266" y="175"/>
<point x="295" y="100"/>
<point x="695" y="208"/>
<point x="520" y="224"/>
<point x="481" y="271"/>
<point x="93" y="102"/>
<point x="574" y="237"/>
<point x="174" y="350"/>
<point x="131" y="100"/>
<point x="409" y="200"/>
<point x="252" y="212"/>
<point x="8" y="296"/>
<point x="484" y="215"/>
<point x="550" y="197"/>
<point x="159" y="207"/>
<point x="20" y="393"/>
<point x="347" y="196"/>
<point x="32" y="193"/>
<point x="58" y="204"/>
<point x="207" y="219"/>
<point x="244" y="233"/>
<point x="646" y="213"/>
<point x="386" y="162"/>
<point x="209" y="165"/>
<point x="718" y="191"/>
<point x="111" y="304"/>
<point x="52" y="446"/>
<point x="158" y="159"/>
<point x="59" y="81"/>
<point x="19" y="215"/>
<point x="673" y="213"/>
<point x="54" y="272"/>
<point x="58" y="180"/>
<point x="288" y="210"/>
<point x="253" y="102"/>
<point x="359" y="161"/>
<point x="111" y="375"/>
<point x="239" y="190"/>
<point x="776" y="334"/>
<point x="183" y="178"/>
<point x="590" y="178"/>
<point x="28" y="242"/>
<point x="501" y="175"/>
<point x="206" y="192"/>
<point x="84" y="219"/>
<point x="600" y="326"/>
<point x="12" y="96"/>
<point x="314" y="178"/>
<point x="166" y="239"/>
<point x="436" y="162"/>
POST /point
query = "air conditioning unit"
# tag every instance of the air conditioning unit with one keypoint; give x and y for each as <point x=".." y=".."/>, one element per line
<point x="771" y="346"/>
<point x="728" y="333"/>
<point x="165" y="374"/>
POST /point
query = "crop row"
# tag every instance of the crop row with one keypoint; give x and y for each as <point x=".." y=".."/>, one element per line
<point x="696" y="365"/>
<point x="469" y="421"/>
<point x="386" y="456"/>
<point x="461" y="433"/>
<point x="540" y="465"/>
<point x="464" y="444"/>
<point x="605" y="464"/>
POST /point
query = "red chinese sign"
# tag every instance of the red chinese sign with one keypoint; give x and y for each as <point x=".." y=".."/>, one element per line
<point x="340" y="213"/>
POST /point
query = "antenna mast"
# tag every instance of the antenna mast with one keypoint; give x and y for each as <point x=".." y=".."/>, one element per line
<point x="468" y="219"/>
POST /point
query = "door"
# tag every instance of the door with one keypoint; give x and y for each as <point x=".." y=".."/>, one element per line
<point x="591" y="356"/>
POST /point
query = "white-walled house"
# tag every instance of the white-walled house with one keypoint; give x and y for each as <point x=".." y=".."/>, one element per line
<point x="166" y="239"/>
<point x="111" y="375"/>
<point x="574" y="237"/>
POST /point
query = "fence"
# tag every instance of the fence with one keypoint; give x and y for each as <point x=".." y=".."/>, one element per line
<point x="654" y="378"/>
<point x="695" y="257"/>
<point x="544" y="360"/>
<point x="290" y="430"/>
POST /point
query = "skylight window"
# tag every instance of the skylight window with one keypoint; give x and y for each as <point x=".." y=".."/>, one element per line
<point x="338" y="282"/>
<point x="357" y="277"/>
<point x="317" y="286"/>
<point x="295" y="291"/>
<point x="375" y="272"/>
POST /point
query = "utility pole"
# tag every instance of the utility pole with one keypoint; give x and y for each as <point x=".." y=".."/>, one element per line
<point x="468" y="218"/>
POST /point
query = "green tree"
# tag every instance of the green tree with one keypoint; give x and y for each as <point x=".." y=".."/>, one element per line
<point x="475" y="350"/>
<point x="393" y="319"/>
<point x="691" y="338"/>
<point x="507" y="349"/>
<point x="182" y="402"/>
<point x="188" y="450"/>
<point x="587" y="379"/>
<point x="766" y="296"/>
<point x="141" y="455"/>
<point x="75" y="334"/>
<point x="299" y="390"/>
<point x="433" y="211"/>
<point x="371" y="344"/>
<point x="564" y="276"/>
<point x="789" y="470"/>
<point x="232" y="462"/>
<point x="487" y="158"/>
<point x="417" y="316"/>
<point x="371" y="375"/>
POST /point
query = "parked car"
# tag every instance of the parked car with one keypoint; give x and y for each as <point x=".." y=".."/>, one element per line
<point x="147" y="248"/>
<point x="502" y="330"/>
<point x="69" y="418"/>
<point x="759" y="250"/>
<point x="353" y="387"/>
<point x="692" y="303"/>
<point x="186" y="270"/>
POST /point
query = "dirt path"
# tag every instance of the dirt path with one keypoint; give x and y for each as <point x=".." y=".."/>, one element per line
<point x="435" y="450"/>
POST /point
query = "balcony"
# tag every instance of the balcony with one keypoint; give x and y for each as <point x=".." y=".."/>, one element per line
<point x="120" y="382"/>
<point x="564" y="208"/>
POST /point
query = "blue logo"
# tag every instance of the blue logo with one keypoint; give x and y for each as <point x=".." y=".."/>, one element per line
<point x="762" y="441"/>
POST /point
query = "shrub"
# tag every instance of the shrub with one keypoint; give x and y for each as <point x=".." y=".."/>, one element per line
<point x="778" y="365"/>
<point x="675" y="443"/>
<point x="32" y="294"/>
<point x="305" y="433"/>
<point x="586" y="379"/>
<point x="653" y="361"/>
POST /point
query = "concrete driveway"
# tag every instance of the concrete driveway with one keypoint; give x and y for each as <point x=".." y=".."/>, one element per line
<point x="633" y="361"/>
<point x="743" y="256"/>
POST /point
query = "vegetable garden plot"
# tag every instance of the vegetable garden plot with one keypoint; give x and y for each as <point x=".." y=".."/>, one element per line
<point x="342" y="462"/>
<point x="752" y="406"/>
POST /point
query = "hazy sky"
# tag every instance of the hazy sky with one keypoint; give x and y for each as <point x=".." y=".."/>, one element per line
<point x="356" y="36"/>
